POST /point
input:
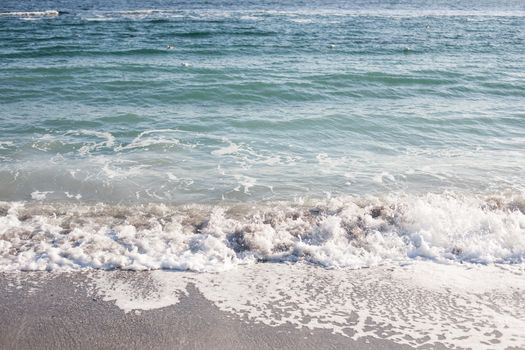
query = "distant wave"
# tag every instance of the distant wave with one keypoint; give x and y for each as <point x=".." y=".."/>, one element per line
<point x="47" y="13"/>
<point x="342" y="232"/>
<point x="305" y="16"/>
<point x="301" y="16"/>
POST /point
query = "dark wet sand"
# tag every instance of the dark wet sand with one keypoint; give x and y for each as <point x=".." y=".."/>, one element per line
<point x="59" y="313"/>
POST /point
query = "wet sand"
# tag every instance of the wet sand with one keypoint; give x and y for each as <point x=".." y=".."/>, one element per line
<point x="43" y="311"/>
<point x="423" y="305"/>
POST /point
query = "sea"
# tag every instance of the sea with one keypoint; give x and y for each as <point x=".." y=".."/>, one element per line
<point x="205" y="135"/>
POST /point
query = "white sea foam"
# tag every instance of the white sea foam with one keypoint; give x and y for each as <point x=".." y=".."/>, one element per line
<point x="336" y="232"/>
<point x="165" y="137"/>
<point x="230" y="149"/>
<point x="327" y="163"/>
<point x="302" y="16"/>
<point x="88" y="147"/>
<point x="76" y="196"/>
<point x="394" y="13"/>
<point x="133" y="14"/>
<point x="384" y="175"/>
<point x="246" y="182"/>
<point x="48" y="13"/>
<point x="6" y="144"/>
<point x="40" y="195"/>
<point x="421" y="304"/>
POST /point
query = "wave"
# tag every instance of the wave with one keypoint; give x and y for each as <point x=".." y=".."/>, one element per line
<point x="301" y="16"/>
<point x="47" y="13"/>
<point x="304" y="16"/>
<point x="350" y="232"/>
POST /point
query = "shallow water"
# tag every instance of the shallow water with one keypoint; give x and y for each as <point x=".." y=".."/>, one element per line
<point x="253" y="103"/>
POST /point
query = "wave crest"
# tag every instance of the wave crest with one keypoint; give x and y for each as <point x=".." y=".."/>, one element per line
<point x="47" y="13"/>
<point x="341" y="232"/>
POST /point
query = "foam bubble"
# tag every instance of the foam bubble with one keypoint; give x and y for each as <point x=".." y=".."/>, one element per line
<point x="420" y="305"/>
<point x="40" y="195"/>
<point x="230" y="149"/>
<point x="337" y="232"/>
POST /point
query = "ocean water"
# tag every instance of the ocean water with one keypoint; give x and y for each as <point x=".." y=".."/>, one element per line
<point x="202" y="135"/>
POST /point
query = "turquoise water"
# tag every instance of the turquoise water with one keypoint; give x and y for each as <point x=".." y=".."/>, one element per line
<point x="204" y="135"/>
<point x="248" y="101"/>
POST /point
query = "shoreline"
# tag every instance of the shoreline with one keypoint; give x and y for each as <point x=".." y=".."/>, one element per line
<point x="265" y="306"/>
<point x="61" y="315"/>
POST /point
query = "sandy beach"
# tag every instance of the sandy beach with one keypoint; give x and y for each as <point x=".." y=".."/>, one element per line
<point x="59" y="315"/>
<point x="172" y="310"/>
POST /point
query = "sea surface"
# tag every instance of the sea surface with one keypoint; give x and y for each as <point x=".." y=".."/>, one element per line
<point x="205" y="134"/>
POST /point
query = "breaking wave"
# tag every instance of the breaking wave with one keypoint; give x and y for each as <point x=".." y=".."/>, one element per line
<point x="351" y="232"/>
<point x="47" y="13"/>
